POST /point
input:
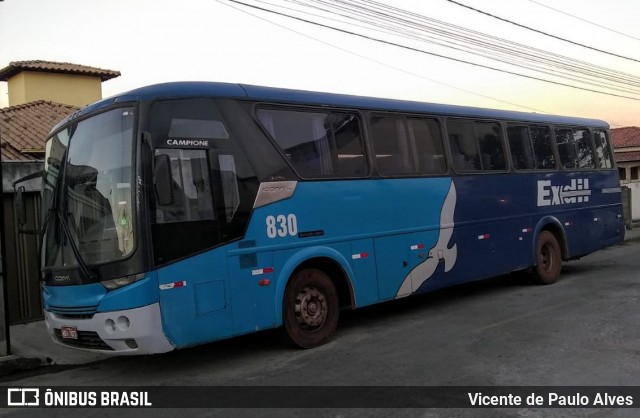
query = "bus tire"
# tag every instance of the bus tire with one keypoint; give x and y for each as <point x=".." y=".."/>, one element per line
<point x="309" y="309"/>
<point x="548" y="259"/>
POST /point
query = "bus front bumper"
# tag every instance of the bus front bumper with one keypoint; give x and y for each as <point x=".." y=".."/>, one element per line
<point x="131" y="331"/>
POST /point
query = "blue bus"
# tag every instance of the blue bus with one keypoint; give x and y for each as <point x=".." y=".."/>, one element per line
<point x="183" y="213"/>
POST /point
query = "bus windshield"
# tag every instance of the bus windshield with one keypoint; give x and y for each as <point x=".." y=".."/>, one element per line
<point x="88" y="191"/>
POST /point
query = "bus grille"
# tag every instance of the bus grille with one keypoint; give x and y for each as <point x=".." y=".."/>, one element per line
<point x="86" y="339"/>
<point x="79" y="312"/>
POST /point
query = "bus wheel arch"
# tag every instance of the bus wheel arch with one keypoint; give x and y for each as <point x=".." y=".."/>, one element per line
<point x="338" y="276"/>
<point x="314" y="294"/>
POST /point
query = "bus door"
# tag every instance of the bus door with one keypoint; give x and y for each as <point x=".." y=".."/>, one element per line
<point x="250" y="275"/>
<point x="198" y="218"/>
<point x="194" y="289"/>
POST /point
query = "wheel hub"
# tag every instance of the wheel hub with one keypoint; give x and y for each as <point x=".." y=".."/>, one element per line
<point x="311" y="307"/>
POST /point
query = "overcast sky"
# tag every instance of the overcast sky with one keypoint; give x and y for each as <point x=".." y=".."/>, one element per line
<point x="152" y="41"/>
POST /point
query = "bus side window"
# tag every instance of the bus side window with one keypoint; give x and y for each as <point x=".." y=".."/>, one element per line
<point x="318" y="144"/>
<point x="490" y="144"/>
<point x="520" y="146"/>
<point x="349" y="146"/>
<point x="476" y="145"/>
<point x="542" y="147"/>
<point x="584" y="151"/>
<point x="603" y="151"/>
<point x="425" y="133"/>
<point x="465" y="154"/>
<point x="566" y="150"/>
<point x="574" y="147"/>
<point x="394" y="154"/>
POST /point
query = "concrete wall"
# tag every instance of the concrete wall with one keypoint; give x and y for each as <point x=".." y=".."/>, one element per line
<point x="76" y="90"/>
<point x="635" y="199"/>
<point x="627" y="170"/>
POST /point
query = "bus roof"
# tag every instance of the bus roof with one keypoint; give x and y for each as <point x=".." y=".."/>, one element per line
<point x="279" y="95"/>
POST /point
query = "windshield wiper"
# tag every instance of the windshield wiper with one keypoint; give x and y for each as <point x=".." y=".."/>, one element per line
<point x="84" y="268"/>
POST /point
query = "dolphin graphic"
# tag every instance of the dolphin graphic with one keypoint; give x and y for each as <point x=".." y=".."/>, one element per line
<point x="441" y="251"/>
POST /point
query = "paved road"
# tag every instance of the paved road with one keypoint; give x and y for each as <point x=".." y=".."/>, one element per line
<point x="582" y="330"/>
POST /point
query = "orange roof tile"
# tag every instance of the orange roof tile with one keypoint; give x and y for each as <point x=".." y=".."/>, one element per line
<point x="17" y="67"/>
<point x="626" y="137"/>
<point x="24" y="128"/>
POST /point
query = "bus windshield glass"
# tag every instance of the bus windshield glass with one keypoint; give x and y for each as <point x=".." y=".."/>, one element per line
<point x="88" y="191"/>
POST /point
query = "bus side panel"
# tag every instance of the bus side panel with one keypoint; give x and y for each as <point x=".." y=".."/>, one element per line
<point x="358" y="213"/>
<point x="391" y="264"/>
<point x="491" y="229"/>
<point x="194" y="299"/>
<point x="364" y="281"/>
<point x="498" y="217"/>
<point x="589" y="207"/>
<point x="252" y="283"/>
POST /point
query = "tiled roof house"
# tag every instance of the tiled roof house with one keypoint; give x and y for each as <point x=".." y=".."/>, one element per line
<point x="41" y="94"/>
<point x="626" y="145"/>
<point x="17" y="67"/>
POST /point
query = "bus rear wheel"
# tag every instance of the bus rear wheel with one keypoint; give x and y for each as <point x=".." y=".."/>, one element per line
<point x="548" y="259"/>
<point x="309" y="309"/>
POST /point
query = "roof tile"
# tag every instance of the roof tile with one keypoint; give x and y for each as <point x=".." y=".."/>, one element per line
<point x="17" y="67"/>
<point x="626" y="137"/>
<point x="25" y="127"/>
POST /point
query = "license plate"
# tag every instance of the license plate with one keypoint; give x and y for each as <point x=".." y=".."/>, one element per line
<point x="69" y="333"/>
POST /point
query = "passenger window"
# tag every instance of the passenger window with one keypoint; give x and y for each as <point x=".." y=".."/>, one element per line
<point x="520" y="145"/>
<point x="566" y="150"/>
<point x="542" y="147"/>
<point x="584" y="151"/>
<point x="192" y="199"/>
<point x="574" y="148"/>
<point x="317" y="144"/>
<point x="476" y="145"/>
<point x="428" y="142"/>
<point x="465" y="154"/>
<point x="603" y="152"/>
<point x="394" y="153"/>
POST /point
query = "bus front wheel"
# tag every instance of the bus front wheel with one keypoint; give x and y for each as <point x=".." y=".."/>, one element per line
<point x="309" y="309"/>
<point x="548" y="259"/>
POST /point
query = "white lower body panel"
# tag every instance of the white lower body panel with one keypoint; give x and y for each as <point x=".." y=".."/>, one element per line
<point x="131" y="331"/>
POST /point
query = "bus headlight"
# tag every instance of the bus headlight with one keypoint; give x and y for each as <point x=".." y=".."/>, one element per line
<point x="122" y="281"/>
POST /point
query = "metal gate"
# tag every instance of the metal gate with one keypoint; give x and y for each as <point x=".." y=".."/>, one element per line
<point x="23" y="262"/>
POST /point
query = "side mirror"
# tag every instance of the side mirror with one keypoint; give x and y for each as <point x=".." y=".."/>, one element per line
<point x="162" y="180"/>
<point x="21" y="210"/>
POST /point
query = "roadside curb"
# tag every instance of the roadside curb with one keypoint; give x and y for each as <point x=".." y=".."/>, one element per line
<point x="14" y="363"/>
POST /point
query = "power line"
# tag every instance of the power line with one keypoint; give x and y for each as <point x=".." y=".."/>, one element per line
<point x="585" y="20"/>
<point x="444" y="34"/>
<point x="368" y="37"/>
<point x="398" y="22"/>
<point x="496" y="42"/>
<point x="542" y="32"/>
<point x="383" y="63"/>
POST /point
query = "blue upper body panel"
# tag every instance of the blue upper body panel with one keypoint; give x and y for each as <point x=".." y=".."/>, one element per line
<point x="270" y="94"/>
